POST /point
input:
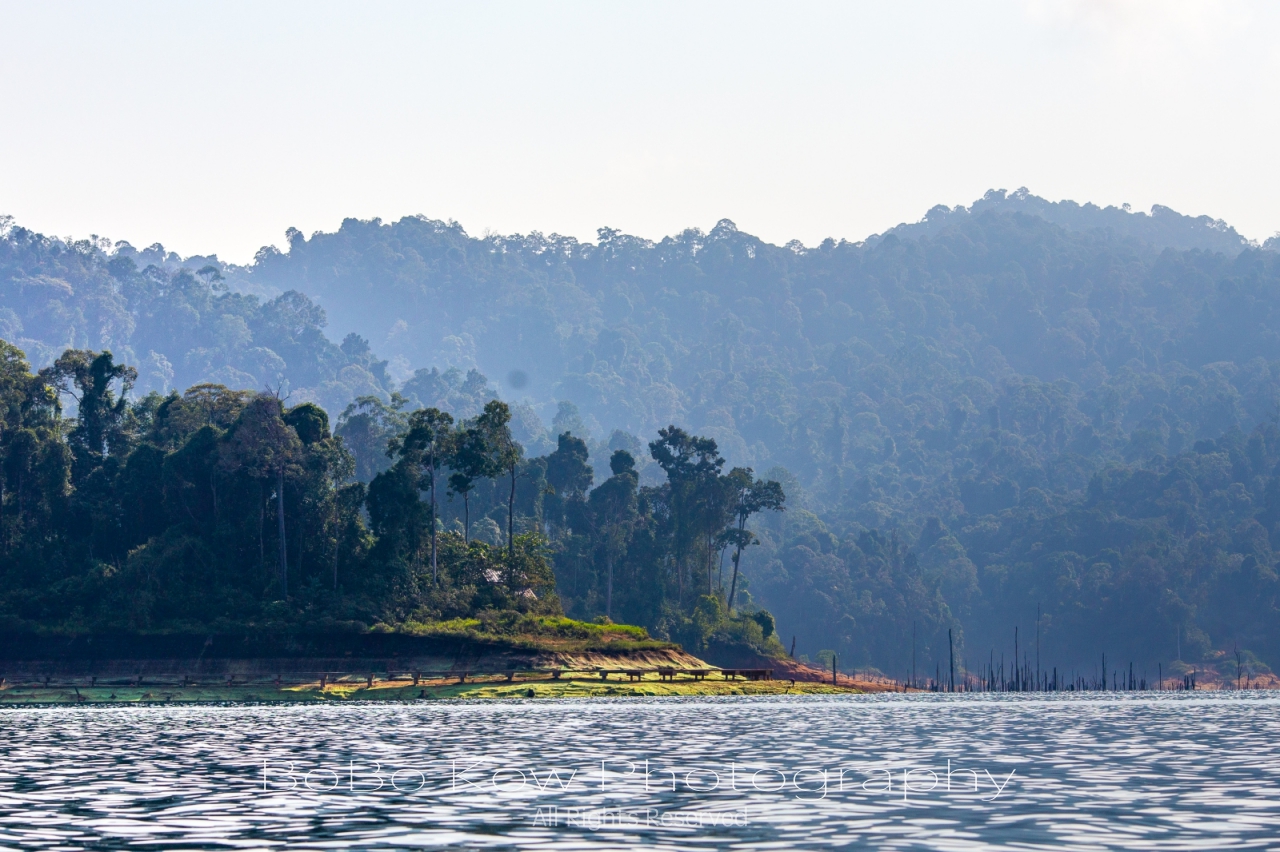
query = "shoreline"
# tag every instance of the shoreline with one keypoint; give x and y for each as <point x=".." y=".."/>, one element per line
<point x="319" y="668"/>
<point x="403" y="690"/>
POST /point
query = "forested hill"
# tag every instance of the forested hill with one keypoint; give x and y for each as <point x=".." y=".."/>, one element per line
<point x="1161" y="228"/>
<point x="1013" y="404"/>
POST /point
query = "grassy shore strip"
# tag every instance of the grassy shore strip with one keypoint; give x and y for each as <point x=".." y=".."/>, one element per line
<point x="539" y="633"/>
<point x="400" y="691"/>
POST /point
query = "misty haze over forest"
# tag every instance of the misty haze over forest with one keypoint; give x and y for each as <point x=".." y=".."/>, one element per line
<point x="1013" y="405"/>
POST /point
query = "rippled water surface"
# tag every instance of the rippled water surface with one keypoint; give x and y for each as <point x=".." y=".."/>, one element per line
<point x="1170" y="771"/>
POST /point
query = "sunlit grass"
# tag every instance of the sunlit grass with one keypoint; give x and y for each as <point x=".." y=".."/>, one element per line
<point x="538" y="686"/>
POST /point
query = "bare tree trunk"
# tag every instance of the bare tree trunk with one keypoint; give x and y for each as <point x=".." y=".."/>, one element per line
<point x="262" y="524"/>
<point x="710" y="565"/>
<point x="733" y="586"/>
<point x="284" y="551"/>
<point x="466" y="517"/>
<point x="951" y="659"/>
<point x="511" y="516"/>
<point x="608" y="589"/>
<point x="737" y="557"/>
<point x="337" y="540"/>
<point x="435" y="573"/>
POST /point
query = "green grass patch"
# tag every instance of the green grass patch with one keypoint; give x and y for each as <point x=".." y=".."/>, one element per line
<point x="537" y="632"/>
<point x="495" y="688"/>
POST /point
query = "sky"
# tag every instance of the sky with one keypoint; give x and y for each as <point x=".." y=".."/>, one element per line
<point x="214" y="127"/>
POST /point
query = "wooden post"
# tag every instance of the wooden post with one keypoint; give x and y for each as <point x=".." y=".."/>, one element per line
<point x="1017" y="686"/>
<point x="951" y="653"/>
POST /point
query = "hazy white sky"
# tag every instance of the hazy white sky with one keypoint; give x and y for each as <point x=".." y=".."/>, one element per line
<point x="213" y="127"/>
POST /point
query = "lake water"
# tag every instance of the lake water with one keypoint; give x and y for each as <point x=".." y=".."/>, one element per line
<point x="1165" y="771"/>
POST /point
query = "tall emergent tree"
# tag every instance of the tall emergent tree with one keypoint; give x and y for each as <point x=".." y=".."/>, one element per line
<point x="429" y="443"/>
<point x="692" y="464"/>
<point x="367" y="426"/>
<point x="502" y="453"/>
<point x="750" y="495"/>
<point x="469" y="462"/>
<point x="613" y="510"/>
<point x="88" y="378"/>
<point x="263" y="445"/>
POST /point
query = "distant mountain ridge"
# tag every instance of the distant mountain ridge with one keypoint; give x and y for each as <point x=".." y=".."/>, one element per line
<point x="1162" y="228"/>
<point x="1015" y="403"/>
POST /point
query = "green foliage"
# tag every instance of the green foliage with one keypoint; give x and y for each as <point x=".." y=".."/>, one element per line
<point x="709" y="625"/>
<point x="222" y="509"/>
<point x="766" y="622"/>
<point x="160" y="521"/>
<point x="179" y="323"/>
<point x="507" y="623"/>
<point x="368" y="427"/>
<point x="960" y="412"/>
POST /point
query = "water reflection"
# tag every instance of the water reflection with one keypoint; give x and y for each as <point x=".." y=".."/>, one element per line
<point x="1168" y="771"/>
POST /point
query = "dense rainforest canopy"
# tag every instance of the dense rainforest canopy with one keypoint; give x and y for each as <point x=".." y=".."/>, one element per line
<point x="226" y="510"/>
<point x="1011" y="407"/>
